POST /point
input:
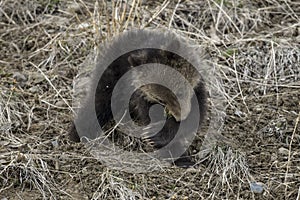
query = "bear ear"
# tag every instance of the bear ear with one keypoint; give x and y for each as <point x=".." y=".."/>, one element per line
<point x="138" y="58"/>
<point x="131" y="61"/>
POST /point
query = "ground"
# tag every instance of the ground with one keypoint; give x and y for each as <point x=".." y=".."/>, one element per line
<point x="255" y="45"/>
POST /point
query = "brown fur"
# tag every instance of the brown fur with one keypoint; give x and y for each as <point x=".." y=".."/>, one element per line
<point x="148" y="95"/>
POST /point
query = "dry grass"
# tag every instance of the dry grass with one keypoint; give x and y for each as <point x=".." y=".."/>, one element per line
<point x="253" y="44"/>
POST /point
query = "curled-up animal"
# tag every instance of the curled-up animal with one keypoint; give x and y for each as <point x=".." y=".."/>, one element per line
<point x="146" y="85"/>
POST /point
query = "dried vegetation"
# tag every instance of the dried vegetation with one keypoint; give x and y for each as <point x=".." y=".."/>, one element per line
<point x="254" y="44"/>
